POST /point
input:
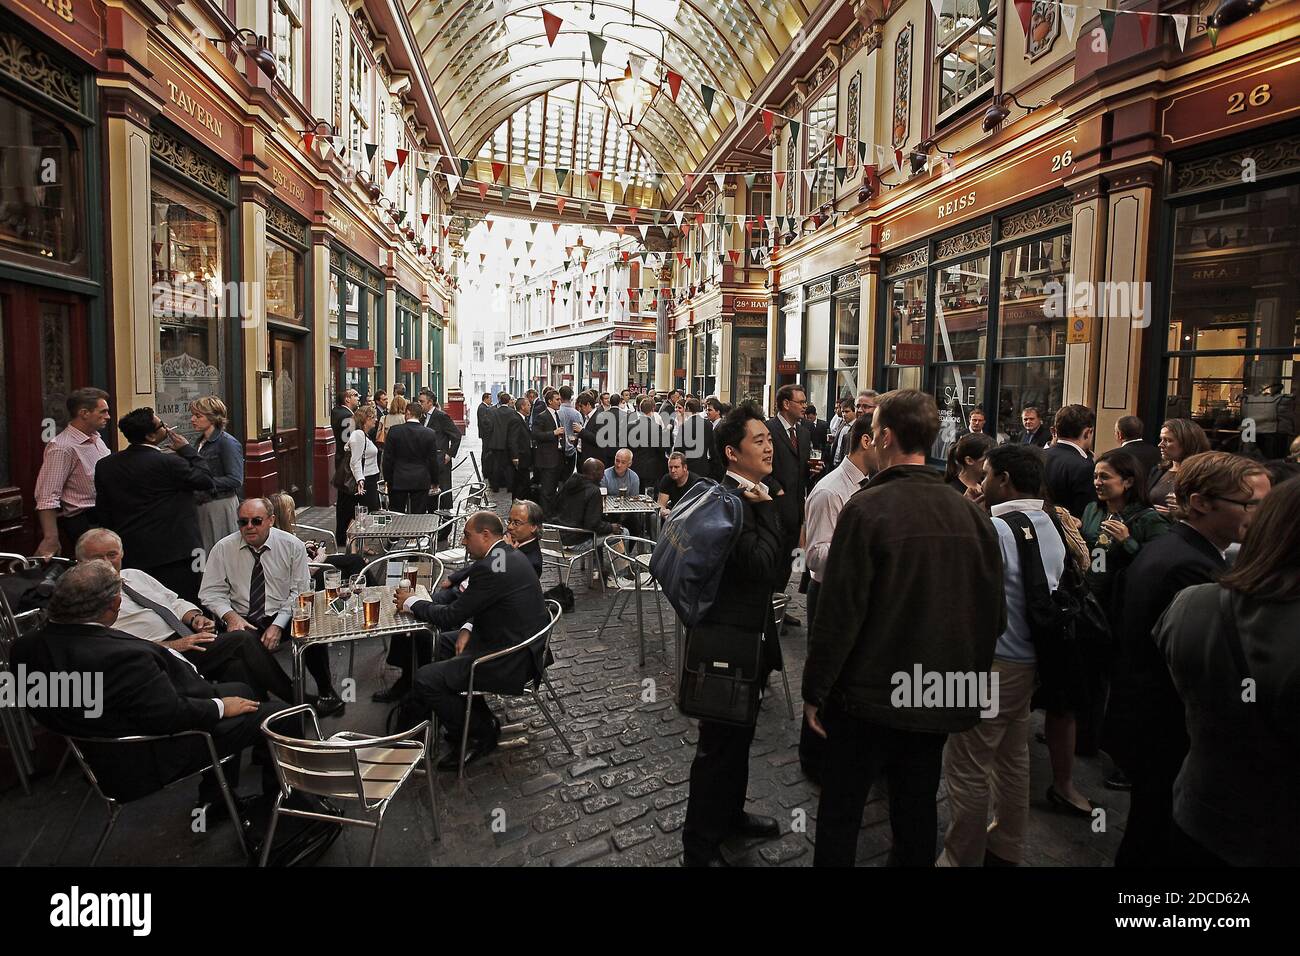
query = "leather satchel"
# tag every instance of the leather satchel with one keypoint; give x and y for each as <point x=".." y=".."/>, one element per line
<point x="721" y="675"/>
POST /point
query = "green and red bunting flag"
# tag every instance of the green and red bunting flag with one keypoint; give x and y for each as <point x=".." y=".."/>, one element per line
<point x="465" y="164"/>
<point x="559" y="204"/>
<point x="421" y="175"/>
<point x="631" y="213"/>
<point x="840" y="173"/>
<point x="839" y="144"/>
<point x="1144" y="24"/>
<point x="769" y="122"/>
<point x="401" y="157"/>
<point x="561" y="177"/>
<point x="598" y="44"/>
<point x="862" y="152"/>
<point x="1107" y="24"/>
<point x="593" y="182"/>
<point x="1025" y="10"/>
<point x="371" y="149"/>
<point x="497" y="170"/>
<point x="750" y="179"/>
<point x="657" y="215"/>
<point x="794" y="130"/>
<point x="690" y="181"/>
<point x="552" y="24"/>
<point x="706" y="94"/>
<point x="307" y="140"/>
<point x="984" y="7"/>
<point x="780" y="179"/>
<point x="389" y="167"/>
<point x="505" y="193"/>
<point x="674" y="84"/>
<point x="482" y="190"/>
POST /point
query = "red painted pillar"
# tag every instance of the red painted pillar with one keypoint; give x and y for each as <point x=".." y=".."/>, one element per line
<point x="261" y="477"/>
<point x="322" y="490"/>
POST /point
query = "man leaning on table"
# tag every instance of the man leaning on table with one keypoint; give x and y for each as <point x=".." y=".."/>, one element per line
<point x="498" y="605"/>
<point x="252" y="581"/>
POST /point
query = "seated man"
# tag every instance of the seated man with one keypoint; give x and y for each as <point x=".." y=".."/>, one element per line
<point x="580" y="505"/>
<point x="498" y="605"/>
<point x="676" y="483"/>
<point x="619" y="478"/>
<point x="154" y="613"/>
<point x="146" y="690"/>
<point x="523" y="530"/>
<point x="252" y="581"/>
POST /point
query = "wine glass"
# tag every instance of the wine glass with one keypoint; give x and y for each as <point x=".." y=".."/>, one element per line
<point x="358" y="583"/>
<point x="345" y="592"/>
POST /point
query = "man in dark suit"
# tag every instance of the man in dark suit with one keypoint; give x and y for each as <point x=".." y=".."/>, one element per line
<point x="1069" y="461"/>
<point x="756" y="567"/>
<point x="341" y="416"/>
<point x="497" y="443"/>
<point x="523" y="530"/>
<point x="791" y="468"/>
<point x="1036" y="431"/>
<point x="1128" y="433"/>
<point x="548" y="435"/>
<point x="519" y="450"/>
<point x="147" y="497"/>
<point x="600" y="435"/>
<point x="486" y="421"/>
<point x="818" y="427"/>
<point x="412" y="454"/>
<point x="649" y="441"/>
<point x="432" y="416"/>
<point x="147" y="690"/>
<point x="1145" y="729"/>
<point x="498" y="605"/>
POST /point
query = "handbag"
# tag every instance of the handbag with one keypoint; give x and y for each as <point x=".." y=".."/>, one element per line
<point x="721" y="676"/>
<point x="343" y="478"/>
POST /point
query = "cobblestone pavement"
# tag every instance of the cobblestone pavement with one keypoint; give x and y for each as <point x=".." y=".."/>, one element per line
<point x="619" y="801"/>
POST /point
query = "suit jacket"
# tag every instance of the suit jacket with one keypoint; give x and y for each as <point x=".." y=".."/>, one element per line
<point x="548" y="453"/>
<point x="578" y="504"/>
<point x="1039" y="438"/>
<point x="650" y="454"/>
<point x="519" y="441"/>
<point x="504" y="602"/>
<point x="532" y="551"/>
<point x="1147" y="455"/>
<point x="497" y="440"/>
<point x="147" y="497"/>
<point x="147" y="690"/>
<point x="339" y="414"/>
<point x="602" y="421"/>
<point x="790" y="472"/>
<point x="486" y="422"/>
<point x="412" y="456"/>
<point x="1145" y="728"/>
<point x="694" y="439"/>
<point x="1069" y="479"/>
<point x="449" y="438"/>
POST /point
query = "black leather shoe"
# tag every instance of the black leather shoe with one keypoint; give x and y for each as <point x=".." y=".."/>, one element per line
<point x="329" y="705"/>
<point x="1118" y="781"/>
<point x="754" y="825"/>
<point x="392" y="695"/>
<point x="1060" y="802"/>
<point x="477" y="750"/>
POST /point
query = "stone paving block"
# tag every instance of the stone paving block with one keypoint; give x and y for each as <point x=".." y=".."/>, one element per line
<point x="633" y="737"/>
<point x="783" y="851"/>
<point x="557" y="816"/>
<point x="600" y="747"/>
<point x="625" y="815"/>
<point x="587" y="766"/>
<point x="630" y="837"/>
<point x="647" y="786"/>
<point x="671" y="820"/>
<point x="538" y="784"/>
<point x="559" y="841"/>
<point x="678" y="774"/>
<point x="672" y="797"/>
<point x="511" y="834"/>
<point x="626" y="756"/>
<point x="617" y="778"/>
<point x="581" y="854"/>
<point x="602" y="801"/>
<point x="579" y="791"/>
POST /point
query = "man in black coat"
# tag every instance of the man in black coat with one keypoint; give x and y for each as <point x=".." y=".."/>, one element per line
<point x="1128" y="433"/>
<point x="412" y="454"/>
<point x="519" y="450"/>
<point x="146" y="690"/>
<point x="1069" y="461"/>
<point x="1145" y="730"/>
<point x="341" y="416"/>
<point x="496" y="443"/>
<point x="649" y="441"/>
<point x="432" y="416"/>
<point x="147" y="496"/>
<point x="548" y="454"/>
<point x="755" y="568"/>
<point x="791" y="468"/>
<point x="499" y="604"/>
<point x="486" y="421"/>
<point x="1036" y="431"/>
<point x="600" y="435"/>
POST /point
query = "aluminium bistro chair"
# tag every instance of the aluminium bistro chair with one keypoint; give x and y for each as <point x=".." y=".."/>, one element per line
<point x="641" y="581"/>
<point x="325" y="535"/>
<point x="473" y="461"/>
<point x="454" y="554"/>
<point x="525" y="647"/>
<point x="468" y="498"/>
<point x="14" y="720"/>
<point x="434" y="578"/>
<point x="563" y="556"/>
<point x="779" y="602"/>
<point x="346" y="767"/>
<point x="115" y="804"/>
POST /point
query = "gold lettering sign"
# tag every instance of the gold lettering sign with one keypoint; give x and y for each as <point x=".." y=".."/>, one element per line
<point x="284" y="182"/>
<point x="61" y="8"/>
<point x="194" y="109"/>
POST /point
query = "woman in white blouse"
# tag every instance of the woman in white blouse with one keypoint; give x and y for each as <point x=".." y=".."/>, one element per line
<point x="363" y="459"/>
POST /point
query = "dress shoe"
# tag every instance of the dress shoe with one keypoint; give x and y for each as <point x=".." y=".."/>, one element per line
<point x="754" y="825"/>
<point x="1118" y="781"/>
<point x="328" y="705"/>
<point x="477" y="750"/>
<point x="1060" y="802"/>
<point x="393" y="694"/>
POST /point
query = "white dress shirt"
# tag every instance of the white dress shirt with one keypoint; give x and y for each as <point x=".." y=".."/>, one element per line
<point x="144" y="622"/>
<point x="1016" y="642"/>
<point x="1066" y="441"/>
<point x="363" y="456"/>
<point x="823" y="507"/>
<point x="229" y="571"/>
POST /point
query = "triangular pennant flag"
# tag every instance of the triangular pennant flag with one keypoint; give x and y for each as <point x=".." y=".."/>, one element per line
<point x="532" y="226"/>
<point x="937" y="6"/>
<point x="686" y="228"/>
<point x="664" y="229"/>
<point x="677" y="217"/>
<point x="750" y="179"/>
<point x="839" y="144"/>
<point x="401" y="157"/>
<point x="1144" y="24"/>
<point x="674" y="84"/>
<point x="506" y="192"/>
<point x="530" y="172"/>
<point x="482" y="190"/>
<point x="780" y="179"/>
<point x="533" y="198"/>
<point x="465" y="164"/>
<point x="720" y="179"/>
<point x="769" y="122"/>
<point x="794" y="130"/>
<point x="699" y="219"/>
<point x="482" y="257"/>
<point x="619" y="230"/>
<point x="626" y="254"/>
<point x="582" y="209"/>
<point x="371" y="149"/>
<point x="706" y="94"/>
<point x="390" y="167"/>
<point x="862" y="152"/>
<point x="1025" y="10"/>
<point x="656" y="215"/>
<point x="593" y="180"/>
<point x="727" y="227"/>
<point x="631" y="213"/>
<point x="762" y="222"/>
<point x="984" y="8"/>
<point x="609" y="212"/>
<point x="420" y="175"/>
<point x="637" y="63"/>
<point x="497" y="170"/>
<point x="690" y="181"/>
<point x="486" y="222"/>
<point x="453" y="183"/>
<point x="598" y="44"/>
<point x="1107" y="24"/>
<point x="840" y="173"/>
<point x="735" y="256"/>
<point x="528" y="246"/>
<point x="810" y="177"/>
<point x="308" y="139"/>
<point x="1070" y="19"/>
<point x="553" y="24"/>
<point x="643" y="229"/>
<point x="561" y="176"/>
<point x="1180" y="28"/>
<point x="424" y="218"/>
<point x="555" y="230"/>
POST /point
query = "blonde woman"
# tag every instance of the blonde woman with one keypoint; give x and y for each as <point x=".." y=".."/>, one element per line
<point x="223" y="455"/>
<point x="363" y="466"/>
<point x="396" y="416"/>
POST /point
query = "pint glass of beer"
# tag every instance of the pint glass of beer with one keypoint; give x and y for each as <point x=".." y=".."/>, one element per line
<point x="301" y="621"/>
<point x="333" y="578"/>
<point x="371" y="608"/>
<point x="411" y="572"/>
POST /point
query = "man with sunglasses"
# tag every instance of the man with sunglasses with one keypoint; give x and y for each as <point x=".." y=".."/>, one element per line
<point x="1218" y="495"/>
<point x="251" y="583"/>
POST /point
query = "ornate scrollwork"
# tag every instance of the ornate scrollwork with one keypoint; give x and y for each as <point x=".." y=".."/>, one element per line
<point x="848" y="280"/>
<point x="283" y="221"/>
<point x="977" y="238"/>
<point x="188" y="161"/>
<point x="1043" y="217"/>
<point x="820" y="289"/>
<point x="907" y="261"/>
<point x="1269" y="159"/>
<point x="40" y="71"/>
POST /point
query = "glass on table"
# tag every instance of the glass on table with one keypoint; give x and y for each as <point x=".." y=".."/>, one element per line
<point x="411" y="571"/>
<point x="815" y="455"/>
<point x="363" y="517"/>
<point x="373" y="597"/>
<point x="301" y="624"/>
<point x="306" y="599"/>
<point x="333" y="578"/>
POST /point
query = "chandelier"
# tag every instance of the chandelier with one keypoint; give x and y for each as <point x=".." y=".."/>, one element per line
<point x="630" y="97"/>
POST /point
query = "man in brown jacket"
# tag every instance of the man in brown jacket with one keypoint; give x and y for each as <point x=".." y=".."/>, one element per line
<point x="901" y="652"/>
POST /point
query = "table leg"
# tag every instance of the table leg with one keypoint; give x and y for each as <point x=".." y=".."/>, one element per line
<point x="298" y="650"/>
<point x="640" y="621"/>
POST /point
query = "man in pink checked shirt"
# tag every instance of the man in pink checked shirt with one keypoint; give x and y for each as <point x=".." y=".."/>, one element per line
<point x="65" y="487"/>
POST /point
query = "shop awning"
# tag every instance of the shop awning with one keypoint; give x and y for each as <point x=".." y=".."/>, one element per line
<point x="575" y="340"/>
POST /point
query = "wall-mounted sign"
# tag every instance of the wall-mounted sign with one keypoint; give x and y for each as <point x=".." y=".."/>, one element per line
<point x="746" y="303"/>
<point x="79" y="22"/>
<point x="358" y="358"/>
<point x="192" y="106"/>
<point x="1264" y="95"/>
<point x="787" y="368"/>
<point x="909" y="353"/>
<point x="642" y="360"/>
<point x="408" y="365"/>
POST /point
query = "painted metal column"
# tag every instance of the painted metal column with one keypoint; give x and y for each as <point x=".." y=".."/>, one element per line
<point x="663" y="331"/>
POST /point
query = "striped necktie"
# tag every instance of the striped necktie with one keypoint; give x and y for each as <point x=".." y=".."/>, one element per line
<point x="257" y="590"/>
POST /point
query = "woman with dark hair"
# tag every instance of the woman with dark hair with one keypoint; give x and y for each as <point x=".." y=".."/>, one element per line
<point x="965" y="468"/>
<point x="1117" y="524"/>
<point x="1180" y="438"/>
<point x="1233" y="650"/>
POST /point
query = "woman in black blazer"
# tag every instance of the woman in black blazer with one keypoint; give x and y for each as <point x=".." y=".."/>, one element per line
<point x="1235" y="800"/>
<point x="224" y="457"/>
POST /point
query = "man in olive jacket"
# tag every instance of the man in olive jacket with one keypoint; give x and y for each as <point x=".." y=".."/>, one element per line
<point x="913" y="583"/>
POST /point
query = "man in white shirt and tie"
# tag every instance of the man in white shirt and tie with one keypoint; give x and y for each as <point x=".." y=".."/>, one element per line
<point x="154" y="613"/>
<point x="252" y="581"/>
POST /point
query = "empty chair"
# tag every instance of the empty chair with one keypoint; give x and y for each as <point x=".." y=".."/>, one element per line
<point x="629" y="557"/>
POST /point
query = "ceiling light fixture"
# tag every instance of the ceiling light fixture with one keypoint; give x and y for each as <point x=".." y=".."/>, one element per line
<point x="998" y="110"/>
<point x="1230" y="11"/>
<point x="257" y="48"/>
<point x="630" y="98"/>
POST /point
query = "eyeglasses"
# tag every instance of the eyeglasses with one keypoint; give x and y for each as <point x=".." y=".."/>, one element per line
<point x="1245" y="505"/>
<point x="513" y="522"/>
<point x="255" y="522"/>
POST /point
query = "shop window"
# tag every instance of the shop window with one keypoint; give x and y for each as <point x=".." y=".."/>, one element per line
<point x="334" y="303"/>
<point x="966" y="53"/>
<point x="1031" y="326"/>
<point x="906" y="300"/>
<point x="847" y="311"/>
<point x="760" y="204"/>
<point x="286" y="43"/>
<point x="820" y="121"/>
<point x="353" y="315"/>
<point x="818" y="356"/>
<point x="40" y="185"/>
<point x="188" y="301"/>
<point x="750" y="364"/>
<point x="284" y="283"/>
